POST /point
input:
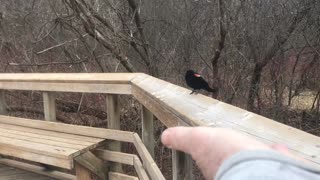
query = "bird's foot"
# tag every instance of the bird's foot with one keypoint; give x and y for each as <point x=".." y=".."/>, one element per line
<point x="194" y="91"/>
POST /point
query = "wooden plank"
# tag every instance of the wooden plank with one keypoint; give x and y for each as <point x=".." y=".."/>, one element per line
<point x="199" y="110"/>
<point x="181" y="166"/>
<point x="113" y="156"/>
<point x="89" y="161"/>
<point x="63" y="137"/>
<point x="147" y="130"/>
<point x="113" y="110"/>
<point x="49" y="104"/>
<point x="12" y="173"/>
<point x="3" y="104"/>
<point x="82" y="173"/>
<point x="27" y="176"/>
<point x="148" y="162"/>
<point x="40" y="140"/>
<point x="69" y="128"/>
<point x="91" y="78"/>
<point x="45" y="159"/>
<point x="119" y="176"/>
<point x="50" y="150"/>
<point x="140" y="169"/>
<point x="68" y="87"/>
<point x="37" y="169"/>
<point x="164" y="115"/>
<point x="47" y="135"/>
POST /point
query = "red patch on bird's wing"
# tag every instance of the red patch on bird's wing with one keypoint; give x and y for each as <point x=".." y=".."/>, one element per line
<point x="197" y="75"/>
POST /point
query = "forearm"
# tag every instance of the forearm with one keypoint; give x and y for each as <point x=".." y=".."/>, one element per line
<point x="264" y="165"/>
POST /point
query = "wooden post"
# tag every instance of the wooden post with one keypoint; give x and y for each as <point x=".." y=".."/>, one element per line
<point x="88" y="163"/>
<point x="82" y="173"/>
<point x="49" y="106"/>
<point x="181" y="166"/>
<point x="147" y="130"/>
<point x="3" y="104"/>
<point x="113" y="111"/>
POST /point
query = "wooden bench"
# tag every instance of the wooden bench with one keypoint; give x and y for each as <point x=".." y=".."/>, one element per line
<point x="56" y="144"/>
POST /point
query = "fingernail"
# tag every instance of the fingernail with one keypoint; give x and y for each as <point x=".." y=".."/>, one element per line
<point x="165" y="138"/>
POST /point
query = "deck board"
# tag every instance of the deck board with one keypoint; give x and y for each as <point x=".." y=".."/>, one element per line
<point x="44" y="145"/>
<point x="11" y="173"/>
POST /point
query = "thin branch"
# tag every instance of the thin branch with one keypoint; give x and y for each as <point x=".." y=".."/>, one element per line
<point x="58" y="45"/>
<point x="47" y="64"/>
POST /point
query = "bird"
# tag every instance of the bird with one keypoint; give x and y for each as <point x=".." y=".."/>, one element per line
<point x="196" y="82"/>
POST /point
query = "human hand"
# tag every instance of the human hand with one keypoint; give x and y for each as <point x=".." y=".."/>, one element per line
<point x="209" y="147"/>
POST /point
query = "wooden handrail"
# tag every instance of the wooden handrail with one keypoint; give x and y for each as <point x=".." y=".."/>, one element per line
<point x="173" y="105"/>
<point x="167" y="99"/>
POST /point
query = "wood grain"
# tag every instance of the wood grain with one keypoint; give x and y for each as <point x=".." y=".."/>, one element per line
<point x="148" y="130"/>
<point x="3" y="104"/>
<point x="173" y="104"/>
<point x="49" y="106"/>
<point x="91" y="163"/>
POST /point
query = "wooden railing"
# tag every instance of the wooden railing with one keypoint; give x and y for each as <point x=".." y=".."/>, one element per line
<point x="171" y="104"/>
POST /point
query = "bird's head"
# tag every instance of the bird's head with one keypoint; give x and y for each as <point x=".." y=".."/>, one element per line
<point x="192" y="73"/>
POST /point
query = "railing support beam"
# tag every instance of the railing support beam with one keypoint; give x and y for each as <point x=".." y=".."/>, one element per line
<point x="113" y="111"/>
<point x="49" y="104"/>
<point x="181" y="166"/>
<point x="3" y="104"/>
<point x="148" y="130"/>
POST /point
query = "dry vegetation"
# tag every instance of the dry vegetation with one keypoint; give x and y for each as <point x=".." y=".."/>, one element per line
<point x="263" y="55"/>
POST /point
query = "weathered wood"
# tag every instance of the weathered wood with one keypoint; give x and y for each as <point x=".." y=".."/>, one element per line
<point x="181" y="166"/>
<point x="41" y="141"/>
<point x="68" y="87"/>
<point x="38" y="148"/>
<point x="147" y="160"/>
<point x="90" y="78"/>
<point x="49" y="106"/>
<point x="82" y="173"/>
<point x="119" y="176"/>
<point x="123" y="158"/>
<point x="36" y="138"/>
<point x="113" y="110"/>
<point x="70" y="129"/>
<point x="88" y="161"/>
<point x="148" y="130"/>
<point x="173" y="105"/>
<point x="44" y="159"/>
<point x="167" y="118"/>
<point x="51" y="135"/>
<point x="114" y="83"/>
<point x="37" y="169"/>
<point x="3" y="104"/>
<point x="11" y="172"/>
<point x="113" y="156"/>
<point x="140" y="169"/>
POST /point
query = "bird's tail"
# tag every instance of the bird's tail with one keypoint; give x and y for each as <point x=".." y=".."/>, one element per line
<point x="213" y="90"/>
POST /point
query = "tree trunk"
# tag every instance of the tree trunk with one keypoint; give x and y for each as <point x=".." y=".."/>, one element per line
<point x="254" y="86"/>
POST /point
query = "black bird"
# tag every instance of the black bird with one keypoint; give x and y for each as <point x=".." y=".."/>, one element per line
<point x="196" y="82"/>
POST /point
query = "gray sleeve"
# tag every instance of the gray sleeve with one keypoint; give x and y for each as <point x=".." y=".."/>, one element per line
<point x="265" y="165"/>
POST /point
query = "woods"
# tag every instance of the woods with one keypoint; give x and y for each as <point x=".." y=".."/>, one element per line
<point x="263" y="55"/>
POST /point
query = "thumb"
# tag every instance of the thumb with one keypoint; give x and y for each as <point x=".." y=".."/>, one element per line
<point x="177" y="138"/>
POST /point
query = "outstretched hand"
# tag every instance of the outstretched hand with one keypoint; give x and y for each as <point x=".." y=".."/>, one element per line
<point x="209" y="147"/>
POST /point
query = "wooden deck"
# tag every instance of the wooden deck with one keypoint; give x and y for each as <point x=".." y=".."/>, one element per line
<point x="11" y="173"/>
<point x="171" y="104"/>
